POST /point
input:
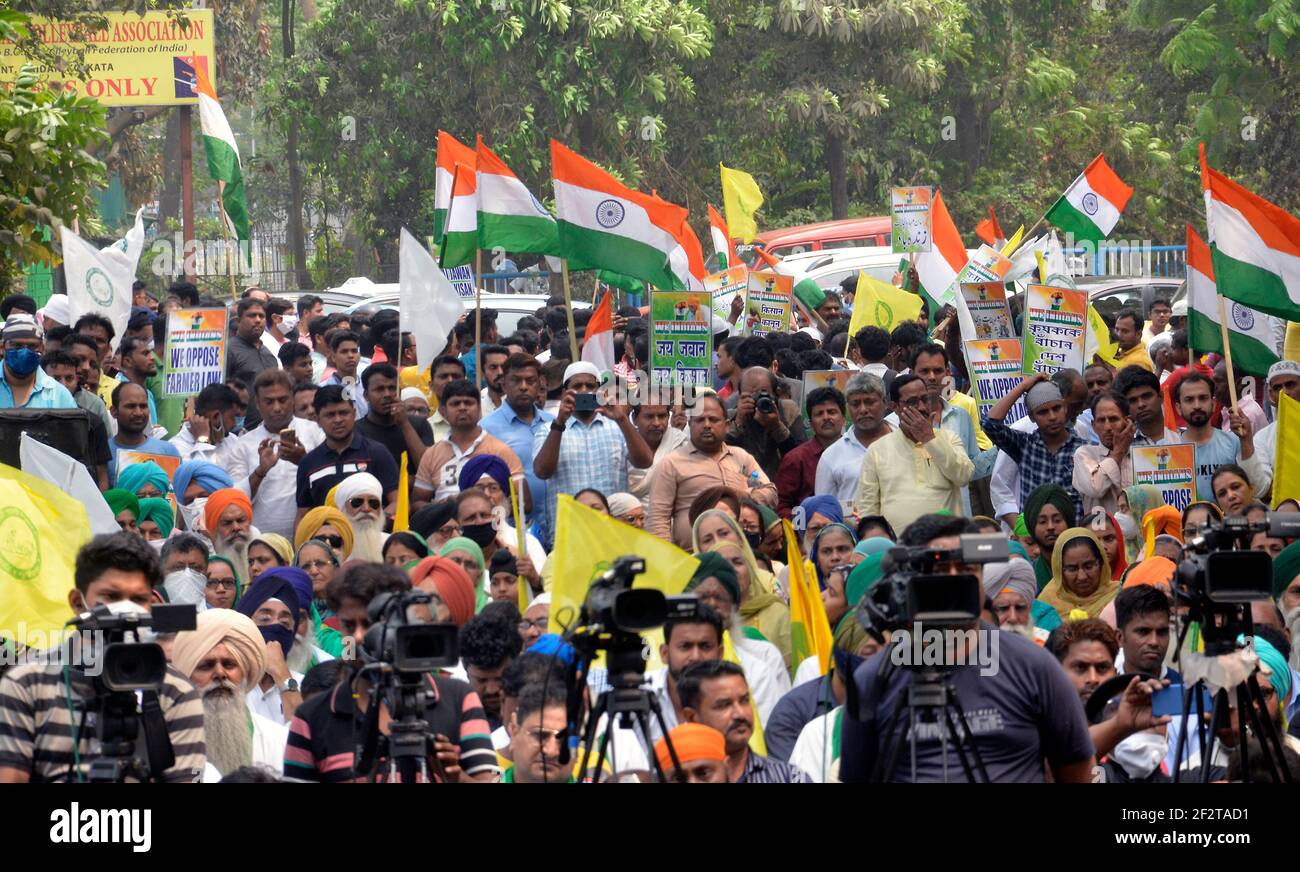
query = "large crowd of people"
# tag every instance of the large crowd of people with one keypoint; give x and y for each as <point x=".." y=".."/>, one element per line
<point x="273" y="502"/>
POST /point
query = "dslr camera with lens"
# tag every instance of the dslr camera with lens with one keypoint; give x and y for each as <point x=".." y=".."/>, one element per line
<point x="764" y="402"/>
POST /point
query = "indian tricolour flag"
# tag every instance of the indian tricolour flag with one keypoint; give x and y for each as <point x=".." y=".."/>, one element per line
<point x="724" y="252"/>
<point x="938" y="268"/>
<point x="1249" y="332"/>
<point x="598" y="339"/>
<point x="607" y="225"/>
<point x="455" y="212"/>
<point x="223" y="157"/>
<point x="1256" y="246"/>
<point x="509" y="216"/>
<point x="1091" y="206"/>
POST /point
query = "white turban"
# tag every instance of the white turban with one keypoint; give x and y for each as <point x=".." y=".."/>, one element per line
<point x="57" y="309"/>
<point x="620" y="504"/>
<point x="579" y="368"/>
<point x="356" y="485"/>
<point x="212" y="628"/>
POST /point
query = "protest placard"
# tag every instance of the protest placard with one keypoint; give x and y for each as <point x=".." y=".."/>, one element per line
<point x="681" y="339"/>
<point x="1056" y="331"/>
<point x="910" y="227"/>
<point x="195" y="351"/>
<point x="724" y="286"/>
<point x="994" y="366"/>
<point x="462" y="279"/>
<point x="1172" y="468"/>
<point x="768" y="302"/>
<point x="987" y="304"/>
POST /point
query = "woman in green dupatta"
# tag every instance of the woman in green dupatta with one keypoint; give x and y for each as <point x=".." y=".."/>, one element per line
<point x="762" y="613"/>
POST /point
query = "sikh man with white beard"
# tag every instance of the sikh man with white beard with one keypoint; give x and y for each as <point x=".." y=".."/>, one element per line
<point x="228" y="516"/>
<point x="1013" y="588"/>
<point x="220" y="656"/>
<point x="360" y="496"/>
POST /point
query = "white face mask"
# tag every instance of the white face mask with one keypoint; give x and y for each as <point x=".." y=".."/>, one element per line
<point x="288" y="322"/>
<point x="193" y="514"/>
<point x="186" y="587"/>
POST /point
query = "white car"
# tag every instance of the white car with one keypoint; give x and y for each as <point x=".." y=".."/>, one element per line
<point x="509" y="307"/>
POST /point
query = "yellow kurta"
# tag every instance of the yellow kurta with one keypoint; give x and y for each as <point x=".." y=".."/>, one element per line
<point x="903" y="480"/>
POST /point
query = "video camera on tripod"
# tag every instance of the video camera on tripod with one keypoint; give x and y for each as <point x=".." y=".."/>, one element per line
<point x="612" y="618"/>
<point x="126" y="677"/>
<point x="400" y="649"/>
<point x="913" y="592"/>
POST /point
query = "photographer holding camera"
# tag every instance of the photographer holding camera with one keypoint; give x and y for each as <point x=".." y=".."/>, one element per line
<point x="760" y="422"/>
<point x="47" y="732"/>
<point x="1021" y="711"/>
<point x="327" y="731"/>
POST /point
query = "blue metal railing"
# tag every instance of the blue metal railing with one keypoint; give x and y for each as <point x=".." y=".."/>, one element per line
<point x="1134" y="260"/>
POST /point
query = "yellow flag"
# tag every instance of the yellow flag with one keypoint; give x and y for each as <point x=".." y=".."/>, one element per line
<point x="587" y="543"/>
<point x="41" y="529"/>
<point x="1286" y="463"/>
<point x="1098" y="341"/>
<point x="1014" y="242"/>
<point x="880" y="304"/>
<point x="810" y="629"/>
<point x="524" y="590"/>
<point x="402" y="514"/>
<point x="741" y="198"/>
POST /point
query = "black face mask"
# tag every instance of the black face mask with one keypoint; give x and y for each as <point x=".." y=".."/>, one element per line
<point x="479" y="534"/>
<point x="754" y="540"/>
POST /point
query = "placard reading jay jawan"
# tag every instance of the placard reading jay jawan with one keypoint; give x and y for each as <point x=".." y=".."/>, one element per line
<point x="724" y="286"/>
<point x="995" y="368"/>
<point x="1172" y="468"/>
<point x="1056" y="325"/>
<point x="462" y="279"/>
<point x="910" y="227"/>
<point x="987" y="304"/>
<point x="768" y="303"/>
<point x="681" y="341"/>
<point x="196" y="351"/>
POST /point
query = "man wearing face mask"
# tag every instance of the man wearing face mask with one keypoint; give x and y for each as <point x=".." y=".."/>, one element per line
<point x="360" y="496"/>
<point x="39" y="704"/>
<point x="25" y="384"/>
<point x="194" y="482"/>
<point x="228" y="516"/>
<point x="207" y="433"/>
<point x="272" y="603"/>
<point x="221" y="656"/>
<point x="185" y="565"/>
<point x="280" y="319"/>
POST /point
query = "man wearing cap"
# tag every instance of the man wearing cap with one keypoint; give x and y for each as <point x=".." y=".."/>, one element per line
<point x="701" y="755"/>
<point x="222" y="656"/>
<point x="1283" y="378"/>
<point x="25" y="384"/>
<point x="587" y="449"/>
<point x="1046" y="455"/>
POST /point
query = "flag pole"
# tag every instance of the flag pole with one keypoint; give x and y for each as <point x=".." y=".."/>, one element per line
<point x="225" y="235"/>
<point x="478" y="313"/>
<point x="568" y="310"/>
<point x="1227" y="352"/>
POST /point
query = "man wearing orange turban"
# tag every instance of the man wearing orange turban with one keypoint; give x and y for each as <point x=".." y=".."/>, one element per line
<point x="228" y="516"/>
<point x="444" y="576"/>
<point x="701" y="753"/>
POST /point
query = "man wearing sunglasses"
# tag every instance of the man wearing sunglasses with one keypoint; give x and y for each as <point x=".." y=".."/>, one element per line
<point x="343" y="453"/>
<point x="360" y="497"/>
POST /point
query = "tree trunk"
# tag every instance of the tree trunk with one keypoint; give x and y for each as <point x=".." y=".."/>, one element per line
<point x="169" y="201"/>
<point x="839" y="178"/>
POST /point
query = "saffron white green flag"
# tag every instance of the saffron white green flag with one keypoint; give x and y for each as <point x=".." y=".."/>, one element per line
<point x="223" y="158"/>
<point x="509" y="216"/>
<point x="1091" y="206"/>
<point x="428" y="304"/>
<point x="99" y="280"/>
<point x="1249" y="332"/>
<point x="455" y="202"/>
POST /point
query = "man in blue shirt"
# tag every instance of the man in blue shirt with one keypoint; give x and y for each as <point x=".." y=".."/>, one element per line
<point x="25" y="385"/>
<point x="517" y="421"/>
<point x="131" y="411"/>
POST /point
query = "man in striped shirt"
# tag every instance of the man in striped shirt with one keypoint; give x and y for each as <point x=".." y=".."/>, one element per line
<point x="47" y="716"/>
<point x="324" y="733"/>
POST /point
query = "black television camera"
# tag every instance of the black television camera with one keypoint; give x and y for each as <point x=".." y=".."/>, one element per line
<point x="912" y="592"/>
<point x="126" y="677"/>
<point x="400" y="649"/>
<point x="1219" y="577"/>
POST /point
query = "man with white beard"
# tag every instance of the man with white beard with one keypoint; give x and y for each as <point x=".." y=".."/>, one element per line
<point x="1013" y="589"/>
<point x="360" y="496"/>
<point x="221" y="655"/>
<point x="228" y="516"/>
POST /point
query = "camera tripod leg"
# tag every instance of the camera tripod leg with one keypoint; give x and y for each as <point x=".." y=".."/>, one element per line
<point x="644" y="721"/>
<point x="965" y="741"/>
<point x="1182" y="729"/>
<point x="1270" y="743"/>
<point x="888" y="758"/>
<point x="598" y="710"/>
<point x="1216" y="711"/>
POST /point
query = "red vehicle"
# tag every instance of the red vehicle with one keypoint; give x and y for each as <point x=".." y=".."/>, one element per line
<point x="849" y="233"/>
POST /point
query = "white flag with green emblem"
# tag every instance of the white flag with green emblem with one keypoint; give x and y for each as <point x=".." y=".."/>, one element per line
<point x="99" y="280"/>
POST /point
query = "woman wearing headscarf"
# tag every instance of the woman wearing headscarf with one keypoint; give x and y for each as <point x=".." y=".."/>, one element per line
<point x="1080" y="575"/>
<point x="466" y="554"/>
<point x="320" y="562"/>
<point x="454" y="591"/>
<point x="1107" y="530"/>
<point x="157" y="519"/>
<point x="224" y="584"/>
<point x="125" y="508"/>
<point x="268" y="551"/>
<point x="1049" y="511"/>
<point x="762" y="613"/>
<point x="145" y="480"/>
<point x="329" y="524"/>
<point x="194" y="482"/>
<point x="716" y="525"/>
<point x="405" y="547"/>
<point x="874" y="545"/>
<point x="832" y="546"/>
